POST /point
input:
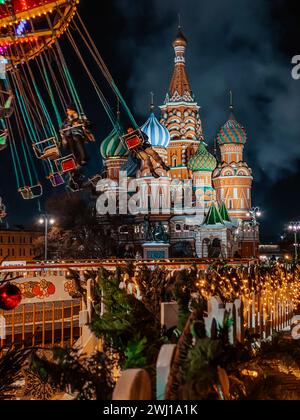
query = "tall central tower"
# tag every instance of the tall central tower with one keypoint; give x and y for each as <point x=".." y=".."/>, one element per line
<point x="180" y="114"/>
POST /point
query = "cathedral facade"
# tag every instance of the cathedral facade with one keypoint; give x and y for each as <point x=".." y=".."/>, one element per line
<point x="215" y="222"/>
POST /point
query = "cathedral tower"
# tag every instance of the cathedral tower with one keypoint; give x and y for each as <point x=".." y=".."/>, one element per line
<point x="232" y="178"/>
<point x="180" y="114"/>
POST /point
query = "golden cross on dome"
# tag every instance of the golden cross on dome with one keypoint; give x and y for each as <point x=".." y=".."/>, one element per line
<point x="231" y="100"/>
<point x="152" y="107"/>
<point x="179" y="21"/>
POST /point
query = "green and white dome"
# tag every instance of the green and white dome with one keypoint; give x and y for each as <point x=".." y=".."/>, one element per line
<point x="202" y="160"/>
<point x="112" y="147"/>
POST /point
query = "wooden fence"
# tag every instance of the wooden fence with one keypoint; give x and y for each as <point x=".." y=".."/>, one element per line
<point x="44" y="324"/>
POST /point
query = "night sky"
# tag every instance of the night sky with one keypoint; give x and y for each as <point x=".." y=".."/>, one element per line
<point x="243" y="45"/>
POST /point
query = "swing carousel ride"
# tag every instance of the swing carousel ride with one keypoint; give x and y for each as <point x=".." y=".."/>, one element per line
<point x="37" y="89"/>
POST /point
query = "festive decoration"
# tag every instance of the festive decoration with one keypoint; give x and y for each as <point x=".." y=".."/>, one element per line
<point x="37" y="289"/>
<point x="37" y="387"/>
<point x="132" y="330"/>
<point x="10" y="297"/>
<point x="11" y="364"/>
<point x="21" y="28"/>
<point x="90" y="378"/>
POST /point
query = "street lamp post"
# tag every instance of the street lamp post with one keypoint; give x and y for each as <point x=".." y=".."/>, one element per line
<point x="295" y="227"/>
<point x="254" y="214"/>
<point x="47" y="221"/>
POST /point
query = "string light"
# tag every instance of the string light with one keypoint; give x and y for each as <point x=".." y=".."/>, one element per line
<point x="273" y="287"/>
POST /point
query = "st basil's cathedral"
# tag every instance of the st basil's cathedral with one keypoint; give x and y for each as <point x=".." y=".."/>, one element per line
<point x="221" y="182"/>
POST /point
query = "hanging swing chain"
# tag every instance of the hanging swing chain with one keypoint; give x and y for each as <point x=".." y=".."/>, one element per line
<point x="54" y="78"/>
<point x="92" y="79"/>
<point x="45" y="111"/>
<point x="42" y="68"/>
<point x="56" y="83"/>
<point x="31" y="105"/>
<point x="13" y="150"/>
<point x="90" y="44"/>
<point x="69" y="80"/>
<point x="24" y="144"/>
<point x="29" y="119"/>
<point x="15" y="158"/>
<point x="94" y="82"/>
<point x="36" y="107"/>
<point x="61" y="72"/>
<point x="72" y="88"/>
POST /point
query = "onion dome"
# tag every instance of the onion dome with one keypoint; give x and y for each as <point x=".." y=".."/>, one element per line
<point x="232" y="132"/>
<point x="112" y="147"/>
<point x="157" y="133"/>
<point x="202" y="160"/>
<point x="180" y="40"/>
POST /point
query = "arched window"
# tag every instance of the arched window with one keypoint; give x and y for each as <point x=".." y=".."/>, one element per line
<point x="205" y="247"/>
<point x="216" y="248"/>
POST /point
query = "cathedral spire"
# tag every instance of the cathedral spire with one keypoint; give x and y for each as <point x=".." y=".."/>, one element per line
<point x="231" y="106"/>
<point x="152" y="106"/>
<point x="231" y="100"/>
<point x="180" y="89"/>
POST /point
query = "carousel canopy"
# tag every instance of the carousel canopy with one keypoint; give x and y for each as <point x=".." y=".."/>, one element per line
<point x="28" y="27"/>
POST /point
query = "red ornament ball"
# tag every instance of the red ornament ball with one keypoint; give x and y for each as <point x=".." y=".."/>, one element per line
<point x="10" y="297"/>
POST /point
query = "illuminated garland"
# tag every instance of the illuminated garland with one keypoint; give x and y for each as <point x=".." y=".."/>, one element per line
<point x="244" y="283"/>
<point x="273" y="285"/>
<point x="30" y="10"/>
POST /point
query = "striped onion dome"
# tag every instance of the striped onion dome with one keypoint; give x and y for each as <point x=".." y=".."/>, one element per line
<point x="112" y="146"/>
<point x="202" y="160"/>
<point x="158" y="134"/>
<point x="232" y="132"/>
